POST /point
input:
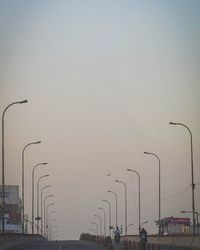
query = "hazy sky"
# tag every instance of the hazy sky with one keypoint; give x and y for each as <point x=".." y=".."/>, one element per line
<point x="103" y="80"/>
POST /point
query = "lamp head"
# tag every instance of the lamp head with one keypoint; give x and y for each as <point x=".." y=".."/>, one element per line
<point x="172" y="123"/>
<point x="116" y="180"/>
<point x="44" y="163"/>
<point x="24" y="101"/>
<point x="128" y="169"/>
<point x="145" y="152"/>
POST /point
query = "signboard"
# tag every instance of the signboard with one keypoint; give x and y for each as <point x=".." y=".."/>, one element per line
<point x="178" y="220"/>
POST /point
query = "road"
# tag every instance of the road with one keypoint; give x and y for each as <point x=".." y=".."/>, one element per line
<point x="59" y="245"/>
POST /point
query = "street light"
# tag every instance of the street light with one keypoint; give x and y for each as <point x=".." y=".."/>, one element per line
<point x="94" y="223"/>
<point x="148" y="153"/>
<point x="92" y="229"/>
<point x="192" y="171"/>
<point x="3" y="162"/>
<point x="125" y="188"/>
<point x="49" y="224"/>
<point x="116" y="213"/>
<point x="134" y="171"/>
<point x="33" y="173"/>
<point x="109" y="204"/>
<point x="104" y="211"/>
<point x="51" y="204"/>
<point x="100" y="219"/>
<point x="31" y="143"/>
<point x="41" y="196"/>
<point x="45" y="198"/>
<point x="145" y="222"/>
<point x="197" y="216"/>
<point x="129" y="226"/>
<point x="39" y="218"/>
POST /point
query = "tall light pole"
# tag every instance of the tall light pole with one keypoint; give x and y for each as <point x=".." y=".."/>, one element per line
<point x="116" y="213"/>
<point x="45" y="198"/>
<point x="125" y="188"/>
<point x="31" y="143"/>
<point x="145" y="222"/>
<point x="3" y="162"/>
<point x="39" y="218"/>
<point x="93" y="231"/>
<point x="192" y="170"/>
<point x="129" y="225"/>
<point x="94" y="223"/>
<point x="104" y="220"/>
<point x="159" y="187"/>
<point x="109" y="204"/>
<point x="33" y="173"/>
<point x="49" y="223"/>
<point x="136" y="172"/>
<point x="41" y="196"/>
<point x="51" y="204"/>
<point x="100" y="219"/>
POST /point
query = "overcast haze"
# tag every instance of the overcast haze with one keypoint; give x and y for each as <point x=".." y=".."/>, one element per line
<point x="103" y="80"/>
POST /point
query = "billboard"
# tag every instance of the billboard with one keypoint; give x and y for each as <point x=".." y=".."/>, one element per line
<point x="173" y="220"/>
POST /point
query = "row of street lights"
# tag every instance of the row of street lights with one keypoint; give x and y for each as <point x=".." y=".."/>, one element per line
<point x="23" y="191"/>
<point x="159" y="191"/>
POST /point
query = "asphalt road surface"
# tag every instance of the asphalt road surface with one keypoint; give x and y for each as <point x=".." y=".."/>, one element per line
<point x="59" y="245"/>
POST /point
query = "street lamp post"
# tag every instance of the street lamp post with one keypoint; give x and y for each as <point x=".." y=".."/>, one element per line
<point x="94" y="223"/>
<point x="49" y="223"/>
<point x="100" y="219"/>
<point x="41" y="196"/>
<point x="38" y="218"/>
<point x="33" y="173"/>
<point x="145" y="222"/>
<point x="192" y="170"/>
<point x="116" y="213"/>
<point x="132" y="170"/>
<point x="129" y="225"/>
<point x="31" y="143"/>
<point x="109" y="204"/>
<point x="158" y="187"/>
<point x="45" y="198"/>
<point x="3" y="162"/>
<point x="125" y="188"/>
<point x="51" y="204"/>
<point x="104" y="211"/>
<point x="93" y="231"/>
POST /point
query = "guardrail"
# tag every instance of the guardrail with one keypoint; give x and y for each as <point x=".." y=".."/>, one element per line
<point x="133" y="245"/>
<point x="173" y="240"/>
<point x="104" y="241"/>
<point x="9" y="240"/>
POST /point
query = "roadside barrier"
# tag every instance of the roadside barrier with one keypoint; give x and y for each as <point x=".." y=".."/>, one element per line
<point x="133" y="245"/>
<point x="104" y="241"/>
<point x="9" y="239"/>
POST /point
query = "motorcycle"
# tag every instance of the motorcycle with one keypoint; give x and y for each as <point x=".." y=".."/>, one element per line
<point x="117" y="239"/>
